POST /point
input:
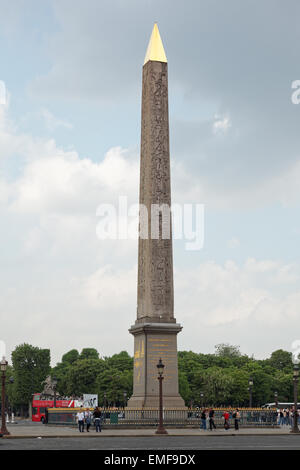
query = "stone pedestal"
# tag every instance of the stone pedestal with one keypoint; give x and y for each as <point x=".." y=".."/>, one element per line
<point x="153" y="341"/>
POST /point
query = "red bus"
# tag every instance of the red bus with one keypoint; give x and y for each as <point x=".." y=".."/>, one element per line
<point x="39" y="406"/>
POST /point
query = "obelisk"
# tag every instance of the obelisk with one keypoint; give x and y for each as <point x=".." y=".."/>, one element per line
<point x="155" y="330"/>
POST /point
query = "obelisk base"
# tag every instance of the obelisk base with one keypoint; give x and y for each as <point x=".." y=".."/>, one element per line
<point x="154" y="341"/>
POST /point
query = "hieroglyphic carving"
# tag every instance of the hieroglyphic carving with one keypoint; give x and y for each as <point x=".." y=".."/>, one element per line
<point x="155" y="324"/>
<point x="155" y="268"/>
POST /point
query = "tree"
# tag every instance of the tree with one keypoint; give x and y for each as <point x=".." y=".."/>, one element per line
<point x="217" y="385"/>
<point x="227" y="350"/>
<point x="89" y="353"/>
<point x="184" y="387"/>
<point x="70" y="357"/>
<point x="281" y="360"/>
<point x="121" y="361"/>
<point x="9" y="387"/>
<point x="114" y="383"/>
<point x="81" y="377"/>
<point x="31" y="366"/>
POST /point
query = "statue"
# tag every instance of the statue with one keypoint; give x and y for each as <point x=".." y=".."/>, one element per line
<point x="49" y="388"/>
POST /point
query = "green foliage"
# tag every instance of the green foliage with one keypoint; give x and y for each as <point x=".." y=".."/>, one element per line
<point x="226" y="350"/>
<point x="70" y="357"/>
<point x="114" y="383"/>
<point x="120" y="361"/>
<point x="81" y="376"/>
<point x="9" y="386"/>
<point x="222" y="378"/>
<point x="89" y="353"/>
<point x="281" y="360"/>
<point x="31" y="366"/>
<point x="184" y="386"/>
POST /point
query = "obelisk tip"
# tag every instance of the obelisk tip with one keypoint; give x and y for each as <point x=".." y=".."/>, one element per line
<point x="155" y="50"/>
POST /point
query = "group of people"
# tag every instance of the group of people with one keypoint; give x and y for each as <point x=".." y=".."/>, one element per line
<point x="285" y="417"/>
<point x="210" y="414"/>
<point x="85" y="417"/>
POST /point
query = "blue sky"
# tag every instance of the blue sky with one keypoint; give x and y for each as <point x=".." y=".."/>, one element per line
<point x="69" y="140"/>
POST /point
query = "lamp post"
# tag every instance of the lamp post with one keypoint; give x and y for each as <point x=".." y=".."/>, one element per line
<point x="125" y="399"/>
<point x="160" y="367"/>
<point x="54" y="382"/>
<point x="104" y="405"/>
<point x="3" y="366"/>
<point x="9" y="407"/>
<point x="250" y="383"/>
<point x="276" y="399"/>
<point x="295" y="428"/>
<point x="202" y="401"/>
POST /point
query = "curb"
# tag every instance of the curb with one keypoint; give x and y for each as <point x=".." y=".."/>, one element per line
<point x="68" y="436"/>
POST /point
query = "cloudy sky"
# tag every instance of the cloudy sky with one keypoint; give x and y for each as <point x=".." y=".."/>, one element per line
<point x="69" y="141"/>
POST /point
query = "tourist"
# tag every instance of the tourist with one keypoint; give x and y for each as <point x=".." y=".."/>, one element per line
<point x="97" y="419"/>
<point x="211" y="415"/>
<point x="278" y="416"/>
<point x="88" y="419"/>
<point x="281" y="417"/>
<point x="236" y="417"/>
<point x="285" y="417"/>
<point x="226" y="420"/>
<point x="203" y="419"/>
<point x="80" y="419"/>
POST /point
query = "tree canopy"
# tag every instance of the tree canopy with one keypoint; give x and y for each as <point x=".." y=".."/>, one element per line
<point x="215" y="379"/>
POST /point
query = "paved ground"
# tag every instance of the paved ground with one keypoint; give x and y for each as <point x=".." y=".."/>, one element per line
<point x="176" y="443"/>
<point x="28" y="429"/>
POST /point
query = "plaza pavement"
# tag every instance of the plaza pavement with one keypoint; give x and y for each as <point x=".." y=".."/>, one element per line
<point x="35" y="430"/>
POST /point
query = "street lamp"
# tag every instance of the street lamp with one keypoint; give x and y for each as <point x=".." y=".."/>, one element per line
<point x="250" y="383"/>
<point x="104" y="405"/>
<point x="160" y="368"/>
<point x="3" y="367"/>
<point x="54" y="383"/>
<point x="202" y="401"/>
<point x="125" y="399"/>
<point x="295" y="428"/>
<point x="276" y="399"/>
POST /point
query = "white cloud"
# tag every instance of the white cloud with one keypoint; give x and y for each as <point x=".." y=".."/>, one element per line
<point x="61" y="274"/>
<point x="62" y="182"/>
<point x="229" y="293"/>
<point x="52" y="122"/>
<point x="221" y="124"/>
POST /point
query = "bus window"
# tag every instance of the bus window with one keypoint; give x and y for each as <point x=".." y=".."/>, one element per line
<point x="34" y="410"/>
<point x="42" y="409"/>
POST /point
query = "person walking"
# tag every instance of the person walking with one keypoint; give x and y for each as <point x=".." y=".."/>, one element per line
<point x="284" y="417"/>
<point x="211" y="416"/>
<point x="281" y="417"/>
<point x="226" y="420"/>
<point x="236" y="417"/>
<point x="97" y="419"/>
<point x="203" y="419"/>
<point x="278" y="421"/>
<point x="88" y="419"/>
<point x="80" y="419"/>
